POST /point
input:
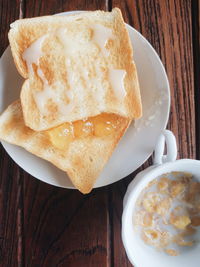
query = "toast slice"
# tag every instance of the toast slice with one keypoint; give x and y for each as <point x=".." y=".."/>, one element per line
<point x="75" y="66"/>
<point x="81" y="149"/>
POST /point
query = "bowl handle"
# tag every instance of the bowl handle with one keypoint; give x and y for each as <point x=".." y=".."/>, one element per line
<point x="170" y="140"/>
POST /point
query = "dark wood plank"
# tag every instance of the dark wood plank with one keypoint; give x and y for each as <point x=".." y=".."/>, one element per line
<point x="9" y="12"/>
<point x="35" y="8"/>
<point x="64" y="227"/>
<point x="11" y="212"/>
<point x="196" y="55"/>
<point x="167" y="26"/>
<point x="11" y="184"/>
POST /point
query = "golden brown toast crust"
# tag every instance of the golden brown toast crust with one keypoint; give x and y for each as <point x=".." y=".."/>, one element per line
<point x="82" y="161"/>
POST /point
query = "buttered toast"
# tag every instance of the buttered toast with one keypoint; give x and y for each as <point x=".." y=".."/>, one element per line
<point x="80" y="92"/>
<point x="75" y="67"/>
<point x="81" y="148"/>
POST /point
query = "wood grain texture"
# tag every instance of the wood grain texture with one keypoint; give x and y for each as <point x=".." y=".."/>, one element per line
<point x="42" y="225"/>
<point x="63" y="227"/>
<point x="11" y="184"/>
<point x="11" y="212"/>
<point x="167" y="26"/>
<point x="34" y="8"/>
<point x="9" y="11"/>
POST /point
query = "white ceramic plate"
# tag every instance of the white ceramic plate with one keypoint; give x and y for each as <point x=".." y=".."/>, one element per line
<point x="139" y="141"/>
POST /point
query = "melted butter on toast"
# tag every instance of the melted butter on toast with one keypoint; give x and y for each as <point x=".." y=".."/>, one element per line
<point x="101" y="35"/>
<point x="50" y="92"/>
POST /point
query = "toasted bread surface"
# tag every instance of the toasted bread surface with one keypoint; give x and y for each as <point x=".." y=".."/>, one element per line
<point x="75" y="67"/>
<point x="84" y="157"/>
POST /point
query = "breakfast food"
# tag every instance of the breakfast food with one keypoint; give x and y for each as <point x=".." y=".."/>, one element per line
<point x="75" y="67"/>
<point x="81" y="148"/>
<point x="167" y="214"/>
<point x="80" y="94"/>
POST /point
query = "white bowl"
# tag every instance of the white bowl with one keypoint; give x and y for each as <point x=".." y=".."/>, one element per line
<point x="140" y="254"/>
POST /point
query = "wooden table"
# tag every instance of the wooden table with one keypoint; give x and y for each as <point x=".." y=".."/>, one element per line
<point x="41" y="225"/>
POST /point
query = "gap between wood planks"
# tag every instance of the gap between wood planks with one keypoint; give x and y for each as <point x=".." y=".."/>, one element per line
<point x="195" y="7"/>
<point x="21" y="9"/>
<point x="20" y="220"/>
<point x="20" y="200"/>
<point x="108" y="5"/>
<point x="110" y="228"/>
